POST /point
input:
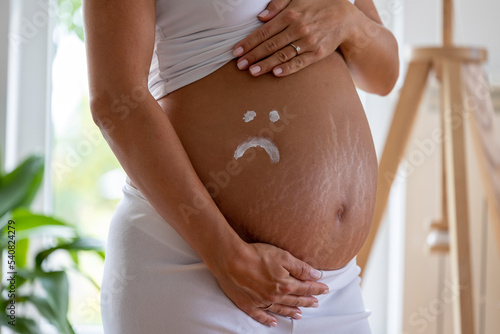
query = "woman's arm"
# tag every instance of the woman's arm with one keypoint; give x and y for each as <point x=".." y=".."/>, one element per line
<point x="319" y="28"/>
<point x="371" y="53"/>
<point x="120" y="40"/>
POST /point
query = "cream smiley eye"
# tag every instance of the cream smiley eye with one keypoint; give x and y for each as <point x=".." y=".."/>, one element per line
<point x="249" y="116"/>
<point x="274" y="116"/>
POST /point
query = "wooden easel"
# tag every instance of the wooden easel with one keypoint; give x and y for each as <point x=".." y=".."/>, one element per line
<point x="464" y="97"/>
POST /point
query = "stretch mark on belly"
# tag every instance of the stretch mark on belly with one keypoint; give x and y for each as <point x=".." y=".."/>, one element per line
<point x="265" y="143"/>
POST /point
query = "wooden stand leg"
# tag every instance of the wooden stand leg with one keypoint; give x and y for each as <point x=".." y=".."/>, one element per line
<point x="444" y="198"/>
<point x="487" y="143"/>
<point x="456" y="192"/>
<point x="399" y="133"/>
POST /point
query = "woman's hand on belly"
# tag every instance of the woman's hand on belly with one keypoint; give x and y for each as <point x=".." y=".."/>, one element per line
<point x="262" y="275"/>
<point x="319" y="28"/>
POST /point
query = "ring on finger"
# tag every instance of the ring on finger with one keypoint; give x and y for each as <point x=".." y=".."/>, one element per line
<point x="297" y="48"/>
<point x="268" y="307"/>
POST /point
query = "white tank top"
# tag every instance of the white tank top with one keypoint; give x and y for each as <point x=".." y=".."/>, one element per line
<point x="196" y="37"/>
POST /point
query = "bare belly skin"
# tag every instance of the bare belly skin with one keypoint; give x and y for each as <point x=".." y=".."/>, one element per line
<point x="317" y="202"/>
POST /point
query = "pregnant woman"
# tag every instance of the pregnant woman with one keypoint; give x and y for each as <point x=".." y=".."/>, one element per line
<point x="251" y="171"/>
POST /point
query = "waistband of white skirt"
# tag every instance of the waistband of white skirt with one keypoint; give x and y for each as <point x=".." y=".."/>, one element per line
<point x="339" y="278"/>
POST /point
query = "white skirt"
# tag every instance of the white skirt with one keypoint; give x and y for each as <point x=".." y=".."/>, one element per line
<point x="155" y="283"/>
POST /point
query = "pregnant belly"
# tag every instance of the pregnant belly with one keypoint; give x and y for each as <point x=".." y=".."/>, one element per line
<point x="308" y="183"/>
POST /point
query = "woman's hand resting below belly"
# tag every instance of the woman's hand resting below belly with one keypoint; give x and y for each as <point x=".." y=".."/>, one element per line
<point x="264" y="275"/>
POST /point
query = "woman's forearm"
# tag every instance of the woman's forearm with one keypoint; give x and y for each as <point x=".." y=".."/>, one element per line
<point x="146" y="145"/>
<point x="371" y="53"/>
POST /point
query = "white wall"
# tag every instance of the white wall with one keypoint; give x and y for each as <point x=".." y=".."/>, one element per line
<point x="476" y="24"/>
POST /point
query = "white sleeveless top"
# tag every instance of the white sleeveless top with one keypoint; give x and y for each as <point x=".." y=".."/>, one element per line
<point x="196" y="37"/>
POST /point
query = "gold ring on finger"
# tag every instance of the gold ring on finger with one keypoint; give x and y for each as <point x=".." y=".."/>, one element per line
<point x="297" y="48"/>
<point x="267" y="308"/>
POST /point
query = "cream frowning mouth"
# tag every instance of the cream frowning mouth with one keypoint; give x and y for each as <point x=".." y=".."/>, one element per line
<point x="265" y="143"/>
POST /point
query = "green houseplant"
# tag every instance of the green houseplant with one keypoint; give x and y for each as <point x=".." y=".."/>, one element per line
<point x="34" y="284"/>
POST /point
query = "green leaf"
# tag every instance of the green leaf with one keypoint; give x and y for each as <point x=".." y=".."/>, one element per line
<point x="26" y="219"/>
<point x="56" y="285"/>
<point x="47" y="311"/>
<point x="70" y="328"/>
<point x="5" y="302"/>
<point x="54" y="307"/>
<point x="1" y="168"/>
<point x="20" y="280"/>
<point x="28" y="225"/>
<point x="80" y="244"/>
<point x="74" y="256"/>
<point x="79" y="32"/>
<point x="28" y="274"/>
<point x="22" y="246"/>
<point x="27" y="326"/>
<point x="25" y="275"/>
<point x="69" y="15"/>
<point x="24" y="326"/>
<point x="19" y="187"/>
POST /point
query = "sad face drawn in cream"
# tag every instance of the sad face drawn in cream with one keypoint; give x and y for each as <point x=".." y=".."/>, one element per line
<point x="266" y="143"/>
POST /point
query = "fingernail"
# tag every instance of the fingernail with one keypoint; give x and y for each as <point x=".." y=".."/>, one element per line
<point x="297" y="316"/>
<point x="238" y="51"/>
<point x="274" y="324"/>
<point x="255" y="69"/>
<point x="242" y="64"/>
<point x="263" y="13"/>
<point x="315" y="273"/>
<point x="277" y="71"/>
<point x="315" y="305"/>
<point x="327" y="291"/>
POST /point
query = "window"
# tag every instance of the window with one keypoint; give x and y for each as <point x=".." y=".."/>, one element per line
<point x="86" y="176"/>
